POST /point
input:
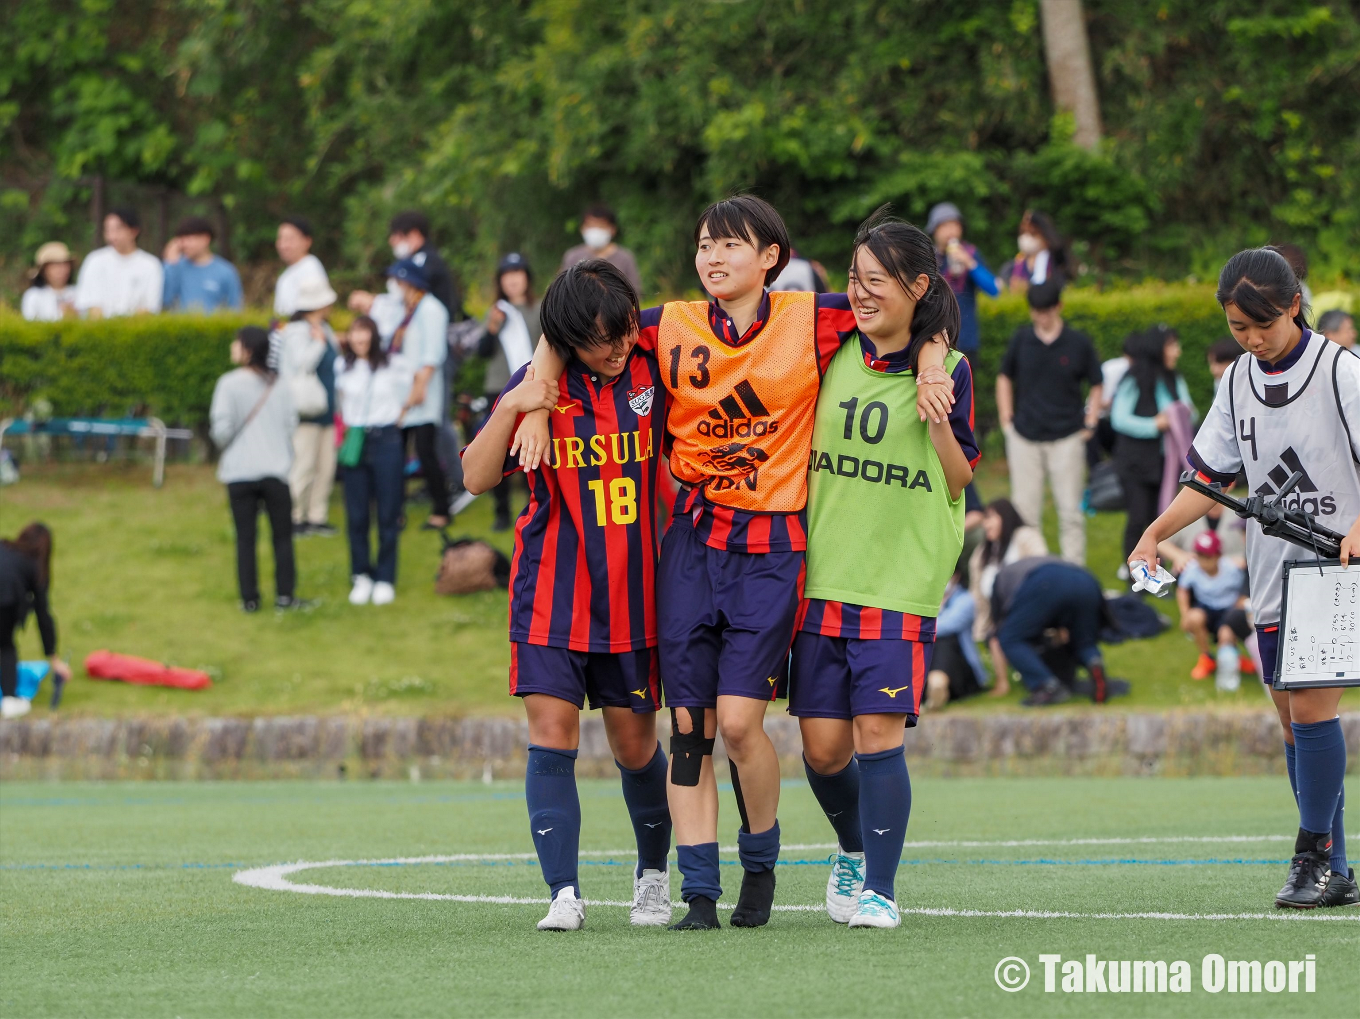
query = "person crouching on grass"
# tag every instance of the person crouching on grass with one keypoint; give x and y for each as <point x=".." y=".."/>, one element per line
<point x="885" y="530"/>
<point x="1291" y="402"/>
<point x="1210" y="594"/>
<point x="583" y="577"/>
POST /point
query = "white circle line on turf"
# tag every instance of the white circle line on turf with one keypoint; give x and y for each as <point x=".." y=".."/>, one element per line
<point x="274" y="878"/>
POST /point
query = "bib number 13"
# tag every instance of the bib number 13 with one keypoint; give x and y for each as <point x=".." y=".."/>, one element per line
<point x="622" y="508"/>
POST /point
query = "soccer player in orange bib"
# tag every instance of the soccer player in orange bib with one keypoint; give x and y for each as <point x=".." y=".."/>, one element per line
<point x="743" y="370"/>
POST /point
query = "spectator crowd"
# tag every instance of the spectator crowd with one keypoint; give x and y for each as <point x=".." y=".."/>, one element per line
<point x="376" y="404"/>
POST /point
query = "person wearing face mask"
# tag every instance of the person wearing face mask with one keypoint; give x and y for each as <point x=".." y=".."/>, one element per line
<point x="599" y="227"/>
<point x="408" y="235"/>
<point x="1041" y="253"/>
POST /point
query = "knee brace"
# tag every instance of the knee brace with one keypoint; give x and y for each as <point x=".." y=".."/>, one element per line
<point x="688" y="749"/>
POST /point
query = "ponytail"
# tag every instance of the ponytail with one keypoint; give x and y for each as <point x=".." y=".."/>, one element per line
<point x="1263" y="283"/>
<point x="906" y="253"/>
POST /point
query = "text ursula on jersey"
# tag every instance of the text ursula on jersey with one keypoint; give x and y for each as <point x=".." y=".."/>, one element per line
<point x="570" y="450"/>
<point x="872" y="471"/>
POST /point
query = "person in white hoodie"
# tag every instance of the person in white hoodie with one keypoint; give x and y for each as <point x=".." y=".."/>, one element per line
<point x="120" y="278"/>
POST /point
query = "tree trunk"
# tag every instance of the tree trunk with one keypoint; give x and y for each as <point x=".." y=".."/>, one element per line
<point x="97" y="211"/>
<point x="1070" y="74"/>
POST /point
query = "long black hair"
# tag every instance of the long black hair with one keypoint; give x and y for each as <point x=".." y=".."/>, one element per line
<point x="1011" y="521"/>
<point x="255" y="342"/>
<point x="1147" y="366"/>
<point x="1042" y="222"/>
<point x="376" y="357"/>
<point x="906" y="253"/>
<point x="1263" y="284"/>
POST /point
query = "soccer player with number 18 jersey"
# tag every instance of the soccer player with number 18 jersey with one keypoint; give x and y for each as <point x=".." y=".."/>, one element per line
<point x="582" y="581"/>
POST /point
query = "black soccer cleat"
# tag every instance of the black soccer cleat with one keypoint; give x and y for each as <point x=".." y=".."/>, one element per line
<point x="702" y="916"/>
<point x="1341" y="890"/>
<point x="1309" y="872"/>
<point x="756" y="899"/>
<point x="1051" y="692"/>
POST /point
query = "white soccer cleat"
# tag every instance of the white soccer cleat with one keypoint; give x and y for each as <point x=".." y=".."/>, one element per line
<point x="1229" y="673"/>
<point x="844" y="885"/>
<point x="651" y="899"/>
<point x="567" y="912"/>
<point x="14" y="707"/>
<point x="362" y="590"/>
<point x="875" y="911"/>
<point x="384" y="593"/>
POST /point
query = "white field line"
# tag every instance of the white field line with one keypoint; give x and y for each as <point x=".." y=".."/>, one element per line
<point x="274" y="878"/>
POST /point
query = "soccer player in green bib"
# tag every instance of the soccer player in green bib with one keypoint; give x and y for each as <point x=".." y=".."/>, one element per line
<point x="885" y="529"/>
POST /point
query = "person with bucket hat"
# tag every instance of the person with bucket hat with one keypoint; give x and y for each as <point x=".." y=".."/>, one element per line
<point x="511" y="331"/>
<point x="50" y="297"/>
<point x="307" y="349"/>
<point x="422" y="337"/>
<point x="962" y="268"/>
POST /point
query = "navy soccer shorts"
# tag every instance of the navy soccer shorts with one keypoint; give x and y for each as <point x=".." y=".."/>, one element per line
<point x="623" y="679"/>
<point x="726" y="619"/>
<point x="841" y="677"/>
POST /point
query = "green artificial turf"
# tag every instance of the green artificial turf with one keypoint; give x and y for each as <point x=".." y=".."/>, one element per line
<point x="152" y="572"/>
<point x="118" y="899"/>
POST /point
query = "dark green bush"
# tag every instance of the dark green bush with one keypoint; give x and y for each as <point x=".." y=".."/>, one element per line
<point x="162" y="365"/>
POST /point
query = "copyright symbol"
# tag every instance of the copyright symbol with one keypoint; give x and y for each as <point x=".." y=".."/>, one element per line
<point x="1012" y="974"/>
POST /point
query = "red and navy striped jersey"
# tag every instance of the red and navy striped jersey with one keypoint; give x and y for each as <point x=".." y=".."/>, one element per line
<point x="735" y="530"/>
<point x="841" y="619"/>
<point x="583" y="572"/>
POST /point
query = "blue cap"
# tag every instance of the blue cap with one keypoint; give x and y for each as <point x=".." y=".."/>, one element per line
<point x="513" y="262"/>
<point x="410" y="272"/>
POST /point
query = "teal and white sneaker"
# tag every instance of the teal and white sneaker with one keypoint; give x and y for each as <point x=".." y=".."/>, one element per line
<point x="844" y="885"/>
<point x="567" y="912"/>
<point x="875" y="911"/>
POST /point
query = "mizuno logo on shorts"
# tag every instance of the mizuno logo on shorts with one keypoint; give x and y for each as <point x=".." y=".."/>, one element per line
<point x="640" y="693"/>
<point x="893" y="693"/>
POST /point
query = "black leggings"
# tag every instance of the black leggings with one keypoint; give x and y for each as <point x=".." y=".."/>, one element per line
<point x="1142" y="489"/>
<point x="436" y="483"/>
<point x="245" y="498"/>
<point x="9" y="654"/>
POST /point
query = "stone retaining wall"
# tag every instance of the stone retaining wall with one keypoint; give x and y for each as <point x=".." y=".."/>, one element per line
<point x="1071" y="743"/>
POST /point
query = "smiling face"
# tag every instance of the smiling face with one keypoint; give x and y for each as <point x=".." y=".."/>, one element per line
<point x="1268" y="342"/>
<point x="731" y="268"/>
<point x="608" y="359"/>
<point x="882" y="308"/>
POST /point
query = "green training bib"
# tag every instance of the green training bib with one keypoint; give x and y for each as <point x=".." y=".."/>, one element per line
<point x="882" y="530"/>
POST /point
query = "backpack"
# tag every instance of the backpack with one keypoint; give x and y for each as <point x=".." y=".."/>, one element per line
<point x="468" y="565"/>
<point x="1128" y="617"/>
<point x="1105" y="492"/>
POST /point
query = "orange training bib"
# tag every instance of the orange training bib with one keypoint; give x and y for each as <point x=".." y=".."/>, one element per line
<point x="742" y="416"/>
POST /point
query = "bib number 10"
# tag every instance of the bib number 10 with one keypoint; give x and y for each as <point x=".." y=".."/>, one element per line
<point x="622" y="508"/>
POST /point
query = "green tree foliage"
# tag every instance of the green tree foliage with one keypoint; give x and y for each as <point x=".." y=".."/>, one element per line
<point x="1227" y="124"/>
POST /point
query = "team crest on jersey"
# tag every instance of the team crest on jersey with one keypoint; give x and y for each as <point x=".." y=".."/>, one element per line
<point x="640" y="399"/>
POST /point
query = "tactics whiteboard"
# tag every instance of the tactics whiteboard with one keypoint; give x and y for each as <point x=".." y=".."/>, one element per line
<point x="1320" y="627"/>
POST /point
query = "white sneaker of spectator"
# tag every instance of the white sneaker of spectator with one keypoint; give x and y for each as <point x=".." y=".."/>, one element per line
<point x="362" y="590"/>
<point x="383" y="593"/>
<point x="14" y="707"/>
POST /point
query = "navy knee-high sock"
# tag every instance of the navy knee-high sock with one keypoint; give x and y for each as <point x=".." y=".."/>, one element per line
<point x="838" y="796"/>
<point x="884" y="807"/>
<point x="554" y="814"/>
<point x="1320" y="768"/>
<point x="1339" y="864"/>
<point x="1290" y="762"/>
<point x="644" y="793"/>
<point x="699" y="870"/>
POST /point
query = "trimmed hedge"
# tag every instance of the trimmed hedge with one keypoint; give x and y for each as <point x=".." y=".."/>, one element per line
<point x="161" y="365"/>
<point x="167" y="364"/>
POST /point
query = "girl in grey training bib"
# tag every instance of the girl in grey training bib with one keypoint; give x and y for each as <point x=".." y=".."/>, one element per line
<point x="1290" y="404"/>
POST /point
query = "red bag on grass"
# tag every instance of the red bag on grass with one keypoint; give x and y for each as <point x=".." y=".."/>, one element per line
<point x="143" y="671"/>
